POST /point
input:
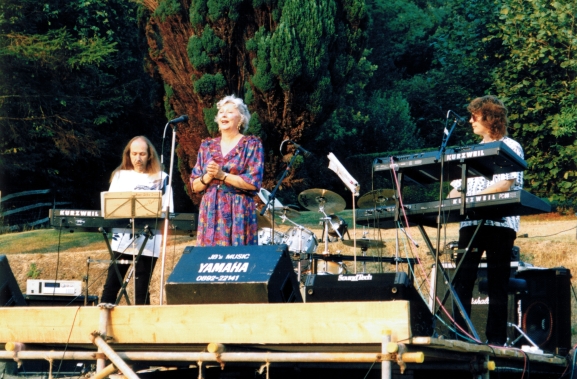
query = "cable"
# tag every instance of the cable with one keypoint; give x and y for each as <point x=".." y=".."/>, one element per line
<point x="67" y="341"/>
<point x="370" y="368"/>
<point x="554" y="234"/>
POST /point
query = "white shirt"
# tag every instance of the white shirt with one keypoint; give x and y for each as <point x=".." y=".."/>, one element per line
<point x="478" y="183"/>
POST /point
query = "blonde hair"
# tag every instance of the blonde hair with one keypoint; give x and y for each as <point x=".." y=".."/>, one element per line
<point x="242" y="109"/>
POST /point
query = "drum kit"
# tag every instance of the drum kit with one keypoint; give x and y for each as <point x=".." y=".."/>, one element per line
<point x="302" y="242"/>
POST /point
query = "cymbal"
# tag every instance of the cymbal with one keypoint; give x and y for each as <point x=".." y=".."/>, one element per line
<point x="263" y="221"/>
<point x="377" y="198"/>
<point x="314" y="199"/>
<point x="364" y="243"/>
<point x="287" y="211"/>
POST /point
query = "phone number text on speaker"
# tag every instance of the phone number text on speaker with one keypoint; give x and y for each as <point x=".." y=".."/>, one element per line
<point x="217" y="278"/>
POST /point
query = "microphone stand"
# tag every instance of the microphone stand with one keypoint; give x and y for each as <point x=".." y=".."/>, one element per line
<point x="167" y="210"/>
<point x="272" y="197"/>
<point x="441" y="158"/>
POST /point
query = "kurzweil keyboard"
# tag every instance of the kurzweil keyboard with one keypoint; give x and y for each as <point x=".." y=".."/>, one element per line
<point x="90" y="221"/>
<point x="490" y="207"/>
<point x="484" y="159"/>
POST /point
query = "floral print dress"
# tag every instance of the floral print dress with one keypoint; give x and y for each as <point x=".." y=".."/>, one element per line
<point x="227" y="215"/>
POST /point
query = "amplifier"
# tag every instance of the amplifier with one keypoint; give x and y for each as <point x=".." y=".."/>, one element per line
<point x="545" y="309"/>
<point x="53" y="287"/>
<point x="479" y="300"/>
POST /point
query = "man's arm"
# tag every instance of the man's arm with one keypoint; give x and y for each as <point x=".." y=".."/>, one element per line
<point x="500" y="186"/>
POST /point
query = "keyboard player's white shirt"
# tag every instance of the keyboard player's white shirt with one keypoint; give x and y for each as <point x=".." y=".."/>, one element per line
<point x="479" y="183"/>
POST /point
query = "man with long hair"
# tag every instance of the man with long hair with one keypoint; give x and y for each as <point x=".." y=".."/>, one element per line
<point x="495" y="237"/>
<point x="140" y="170"/>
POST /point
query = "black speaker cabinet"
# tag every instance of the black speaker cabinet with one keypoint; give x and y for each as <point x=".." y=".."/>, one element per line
<point x="546" y="308"/>
<point x="10" y="293"/>
<point x="371" y="287"/>
<point x="233" y="274"/>
<point x="479" y="301"/>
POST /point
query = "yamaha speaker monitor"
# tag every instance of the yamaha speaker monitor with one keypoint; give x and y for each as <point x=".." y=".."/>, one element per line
<point x="233" y="274"/>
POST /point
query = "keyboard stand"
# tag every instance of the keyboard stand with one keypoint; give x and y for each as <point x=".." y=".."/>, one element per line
<point x="113" y="261"/>
<point x="435" y="252"/>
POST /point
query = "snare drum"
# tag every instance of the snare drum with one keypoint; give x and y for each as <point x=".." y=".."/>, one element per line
<point x="264" y="237"/>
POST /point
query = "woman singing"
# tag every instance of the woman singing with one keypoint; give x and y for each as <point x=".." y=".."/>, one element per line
<point x="229" y="169"/>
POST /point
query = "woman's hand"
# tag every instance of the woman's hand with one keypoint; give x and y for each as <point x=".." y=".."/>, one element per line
<point x="213" y="170"/>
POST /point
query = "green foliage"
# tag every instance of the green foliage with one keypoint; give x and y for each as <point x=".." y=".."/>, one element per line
<point x="209" y="85"/>
<point x="263" y="80"/>
<point x="76" y="74"/>
<point x="220" y="9"/>
<point x="58" y="49"/>
<point x="167" y="8"/>
<point x="204" y="51"/>
<point x="168" y="93"/>
<point x="209" y="116"/>
<point x="537" y="79"/>
<point x="33" y="271"/>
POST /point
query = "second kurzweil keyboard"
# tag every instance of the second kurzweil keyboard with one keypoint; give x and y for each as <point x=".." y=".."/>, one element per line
<point x="90" y="221"/>
<point x="484" y="159"/>
<point x="491" y="207"/>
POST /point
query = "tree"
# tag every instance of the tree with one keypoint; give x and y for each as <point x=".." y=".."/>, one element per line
<point x="289" y="60"/>
<point x="73" y="89"/>
<point x="537" y="80"/>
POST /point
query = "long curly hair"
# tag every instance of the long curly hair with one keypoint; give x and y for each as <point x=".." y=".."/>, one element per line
<point x="493" y="112"/>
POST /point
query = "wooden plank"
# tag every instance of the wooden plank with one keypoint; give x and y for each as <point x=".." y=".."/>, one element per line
<point x="495" y="351"/>
<point x="308" y="323"/>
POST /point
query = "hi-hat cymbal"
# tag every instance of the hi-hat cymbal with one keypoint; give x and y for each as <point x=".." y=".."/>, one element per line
<point x="287" y="211"/>
<point x="364" y="243"/>
<point x="377" y="198"/>
<point x="314" y="199"/>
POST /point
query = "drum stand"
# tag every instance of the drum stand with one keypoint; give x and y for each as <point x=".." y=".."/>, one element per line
<point x="326" y="221"/>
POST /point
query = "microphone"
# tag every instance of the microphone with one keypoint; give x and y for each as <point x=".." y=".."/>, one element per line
<point x="460" y="120"/>
<point x="305" y="152"/>
<point x="182" y="118"/>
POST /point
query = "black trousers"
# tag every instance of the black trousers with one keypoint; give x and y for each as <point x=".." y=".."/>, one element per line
<point x="498" y="244"/>
<point x="143" y="273"/>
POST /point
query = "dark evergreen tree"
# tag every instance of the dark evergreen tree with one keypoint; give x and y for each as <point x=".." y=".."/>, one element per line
<point x="289" y="59"/>
<point x="73" y="90"/>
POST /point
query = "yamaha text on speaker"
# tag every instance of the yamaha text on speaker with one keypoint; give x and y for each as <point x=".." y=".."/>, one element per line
<point x="233" y="274"/>
<point x="371" y="287"/>
<point x="545" y="309"/>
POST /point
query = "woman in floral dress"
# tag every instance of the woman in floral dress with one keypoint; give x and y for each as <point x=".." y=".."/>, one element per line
<point x="229" y="170"/>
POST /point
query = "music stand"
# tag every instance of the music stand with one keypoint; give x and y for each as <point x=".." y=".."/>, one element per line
<point x="131" y="205"/>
